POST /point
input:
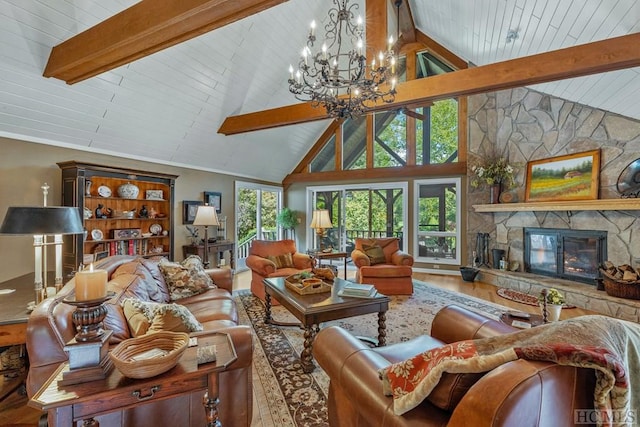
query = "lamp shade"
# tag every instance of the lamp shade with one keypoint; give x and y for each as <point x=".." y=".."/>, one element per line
<point x="206" y="215"/>
<point x="320" y="219"/>
<point x="42" y="220"/>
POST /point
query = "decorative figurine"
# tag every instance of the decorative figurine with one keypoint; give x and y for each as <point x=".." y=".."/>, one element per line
<point x="99" y="212"/>
<point x="152" y="213"/>
<point x="143" y="212"/>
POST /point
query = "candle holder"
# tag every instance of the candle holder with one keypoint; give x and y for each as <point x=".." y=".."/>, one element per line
<point x="88" y="317"/>
<point x="88" y="350"/>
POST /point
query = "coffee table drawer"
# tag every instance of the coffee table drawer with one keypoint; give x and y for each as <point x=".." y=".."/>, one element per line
<point x="146" y="392"/>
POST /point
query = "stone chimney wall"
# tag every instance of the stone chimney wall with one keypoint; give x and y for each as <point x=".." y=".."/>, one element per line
<point x="522" y="125"/>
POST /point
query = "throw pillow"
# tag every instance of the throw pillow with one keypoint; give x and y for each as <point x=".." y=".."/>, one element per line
<point x="375" y="254"/>
<point x="282" y="261"/>
<point x="144" y="317"/>
<point x="451" y="389"/>
<point x="186" y="278"/>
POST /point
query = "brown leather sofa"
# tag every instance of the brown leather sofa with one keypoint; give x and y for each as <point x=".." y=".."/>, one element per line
<point x="520" y="393"/>
<point x="50" y="327"/>
<point x="391" y="276"/>
<point x="261" y="267"/>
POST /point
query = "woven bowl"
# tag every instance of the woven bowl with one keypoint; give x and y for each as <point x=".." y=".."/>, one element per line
<point x="175" y="343"/>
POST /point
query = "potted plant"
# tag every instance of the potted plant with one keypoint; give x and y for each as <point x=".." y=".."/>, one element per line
<point x="555" y="301"/>
<point x="287" y="219"/>
<point x="496" y="172"/>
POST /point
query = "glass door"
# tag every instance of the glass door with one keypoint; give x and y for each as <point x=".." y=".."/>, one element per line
<point x="256" y="210"/>
<point x="371" y="210"/>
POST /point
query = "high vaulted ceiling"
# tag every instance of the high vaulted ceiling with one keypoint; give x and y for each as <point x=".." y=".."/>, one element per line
<point x="168" y="107"/>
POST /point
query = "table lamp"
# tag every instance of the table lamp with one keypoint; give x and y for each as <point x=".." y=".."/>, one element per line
<point x="43" y="221"/>
<point x="320" y="221"/>
<point x="206" y="216"/>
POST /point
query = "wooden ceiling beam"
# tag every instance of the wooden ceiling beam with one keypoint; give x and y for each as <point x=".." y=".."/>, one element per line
<point x="144" y="28"/>
<point x="591" y="58"/>
<point x="399" y="172"/>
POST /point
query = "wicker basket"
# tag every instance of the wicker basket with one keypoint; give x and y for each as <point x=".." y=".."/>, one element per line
<point x="620" y="288"/>
<point x="175" y="343"/>
<point x="300" y="286"/>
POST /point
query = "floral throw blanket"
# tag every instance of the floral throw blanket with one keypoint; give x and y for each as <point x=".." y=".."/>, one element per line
<point x="609" y="346"/>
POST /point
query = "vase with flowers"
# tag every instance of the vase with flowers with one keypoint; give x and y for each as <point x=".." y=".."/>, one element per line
<point x="495" y="172"/>
<point x="554" y="302"/>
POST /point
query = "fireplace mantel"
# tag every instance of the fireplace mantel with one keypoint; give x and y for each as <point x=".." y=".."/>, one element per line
<point x="574" y="205"/>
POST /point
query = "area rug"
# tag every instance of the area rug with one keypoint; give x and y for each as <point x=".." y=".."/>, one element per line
<point x="289" y="397"/>
<point x="523" y="298"/>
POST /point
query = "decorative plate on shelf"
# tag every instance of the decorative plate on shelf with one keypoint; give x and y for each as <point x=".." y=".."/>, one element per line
<point x="155" y="229"/>
<point x="96" y="234"/>
<point x="104" y="191"/>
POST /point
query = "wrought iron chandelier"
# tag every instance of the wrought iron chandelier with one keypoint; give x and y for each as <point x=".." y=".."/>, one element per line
<point x="338" y="76"/>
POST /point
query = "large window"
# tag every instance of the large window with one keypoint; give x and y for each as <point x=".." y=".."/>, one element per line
<point x="256" y="210"/>
<point x="325" y="160"/>
<point x="390" y="139"/>
<point x="360" y="210"/>
<point x="437" y="219"/>
<point x="437" y="133"/>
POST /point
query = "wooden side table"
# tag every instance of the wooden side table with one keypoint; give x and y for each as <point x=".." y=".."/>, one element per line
<point x="82" y="402"/>
<point x="521" y="320"/>
<point x="216" y="249"/>
<point x="319" y="256"/>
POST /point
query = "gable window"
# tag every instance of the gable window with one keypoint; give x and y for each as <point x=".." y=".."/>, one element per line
<point x="325" y="160"/>
<point x="437" y="219"/>
<point x="428" y="65"/>
<point x="354" y="143"/>
<point x="390" y="140"/>
<point x="437" y="133"/>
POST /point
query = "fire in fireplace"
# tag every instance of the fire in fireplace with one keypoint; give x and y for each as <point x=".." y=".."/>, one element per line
<point x="566" y="254"/>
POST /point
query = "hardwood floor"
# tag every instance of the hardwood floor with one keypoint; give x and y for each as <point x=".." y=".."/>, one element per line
<point x="15" y="413"/>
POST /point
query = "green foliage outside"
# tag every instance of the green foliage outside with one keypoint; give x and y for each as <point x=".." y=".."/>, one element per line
<point x="366" y="209"/>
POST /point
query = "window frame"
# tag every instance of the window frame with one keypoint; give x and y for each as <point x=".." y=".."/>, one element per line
<point x="457" y="181"/>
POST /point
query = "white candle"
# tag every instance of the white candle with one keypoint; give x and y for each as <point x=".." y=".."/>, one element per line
<point x="312" y="30"/>
<point x="91" y="284"/>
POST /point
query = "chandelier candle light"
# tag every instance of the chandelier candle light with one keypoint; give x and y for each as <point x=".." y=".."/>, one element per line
<point x="338" y="76"/>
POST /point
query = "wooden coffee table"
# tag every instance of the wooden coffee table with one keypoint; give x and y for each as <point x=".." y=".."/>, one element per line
<point x="312" y="310"/>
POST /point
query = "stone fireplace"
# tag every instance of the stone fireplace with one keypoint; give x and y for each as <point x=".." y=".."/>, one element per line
<point x="523" y="124"/>
<point x="565" y="254"/>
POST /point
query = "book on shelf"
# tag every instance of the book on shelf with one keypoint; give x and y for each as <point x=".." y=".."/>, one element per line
<point x="358" y="290"/>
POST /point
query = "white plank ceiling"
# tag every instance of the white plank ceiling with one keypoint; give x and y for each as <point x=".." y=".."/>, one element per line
<point x="167" y="108"/>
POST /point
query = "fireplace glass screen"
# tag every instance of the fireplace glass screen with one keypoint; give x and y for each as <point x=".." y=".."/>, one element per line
<point x="566" y="254"/>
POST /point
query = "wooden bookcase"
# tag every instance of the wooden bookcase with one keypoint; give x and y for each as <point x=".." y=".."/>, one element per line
<point x="118" y="233"/>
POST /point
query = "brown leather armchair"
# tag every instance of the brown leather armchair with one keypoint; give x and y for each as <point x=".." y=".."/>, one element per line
<point x="390" y="272"/>
<point x="285" y="261"/>
<point x="518" y="393"/>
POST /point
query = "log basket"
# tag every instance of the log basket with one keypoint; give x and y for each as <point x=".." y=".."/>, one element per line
<point x="629" y="289"/>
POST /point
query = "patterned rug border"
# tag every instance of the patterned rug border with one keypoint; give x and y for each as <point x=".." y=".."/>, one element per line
<point x="299" y="399"/>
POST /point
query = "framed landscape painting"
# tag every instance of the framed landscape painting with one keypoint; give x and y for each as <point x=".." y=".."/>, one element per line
<point x="569" y="177"/>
